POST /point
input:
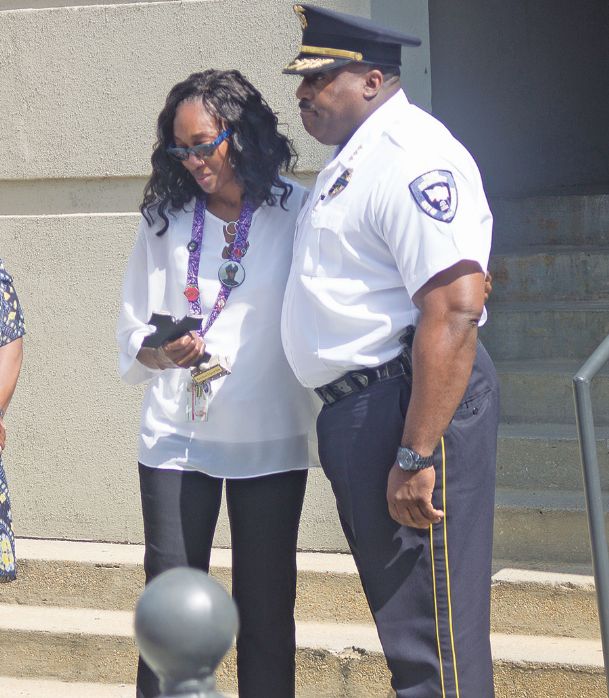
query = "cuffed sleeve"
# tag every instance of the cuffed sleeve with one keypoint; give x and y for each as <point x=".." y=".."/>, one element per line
<point x="132" y="325"/>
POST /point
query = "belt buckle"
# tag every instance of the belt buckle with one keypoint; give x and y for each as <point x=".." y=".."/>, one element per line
<point x="344" y="386"/>
<point x="340" y="388"/>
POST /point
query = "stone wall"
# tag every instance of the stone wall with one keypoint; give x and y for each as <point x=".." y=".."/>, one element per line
<point x="82" y="87"/>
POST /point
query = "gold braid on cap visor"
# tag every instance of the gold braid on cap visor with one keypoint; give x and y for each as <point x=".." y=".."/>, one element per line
<point x="333" y="52"/>
<point x="309" y="63"/>
<point x="300" y="12"/>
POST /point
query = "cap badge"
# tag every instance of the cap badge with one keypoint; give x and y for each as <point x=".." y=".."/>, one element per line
<point x="436" y="194"/>
<point x="300" y="11"/>
<point x="340" y="183"/>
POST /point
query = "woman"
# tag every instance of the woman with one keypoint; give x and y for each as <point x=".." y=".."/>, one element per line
<point x="11" y="352"/>
<point x="216" y="240"/>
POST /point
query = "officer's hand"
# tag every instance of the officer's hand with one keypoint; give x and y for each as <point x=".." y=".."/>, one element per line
<point x="409" y="497"/>
<point x="488" y="285"/>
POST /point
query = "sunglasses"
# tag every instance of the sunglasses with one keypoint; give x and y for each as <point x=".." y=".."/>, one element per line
<point x="204" y="150"/>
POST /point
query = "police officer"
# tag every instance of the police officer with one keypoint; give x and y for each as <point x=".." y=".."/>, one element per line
<point x="396" y="234"/>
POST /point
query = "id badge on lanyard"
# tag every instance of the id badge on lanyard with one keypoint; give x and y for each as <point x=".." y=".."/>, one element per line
<point x="231" y="274"/>
<point x="197" y="404"/>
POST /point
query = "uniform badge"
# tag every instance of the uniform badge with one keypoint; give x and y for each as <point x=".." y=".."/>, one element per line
<point x="340" y="183"/>
<point x="436" y="194"/>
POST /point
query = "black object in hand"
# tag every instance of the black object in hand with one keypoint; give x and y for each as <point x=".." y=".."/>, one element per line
<point x="169" y="328"/>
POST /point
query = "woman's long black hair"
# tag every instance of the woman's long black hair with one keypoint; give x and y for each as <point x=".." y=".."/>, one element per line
<point x="257" y="151"/>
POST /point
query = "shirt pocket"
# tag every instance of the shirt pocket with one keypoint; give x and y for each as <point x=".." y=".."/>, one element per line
<point x="329" y="217"/>
<point x="329" y="222"/>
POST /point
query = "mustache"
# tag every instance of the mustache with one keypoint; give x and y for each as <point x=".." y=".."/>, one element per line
<point x="305" y="104"/>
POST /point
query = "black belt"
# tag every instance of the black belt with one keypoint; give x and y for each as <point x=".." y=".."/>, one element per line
<point x="359" y="379"/>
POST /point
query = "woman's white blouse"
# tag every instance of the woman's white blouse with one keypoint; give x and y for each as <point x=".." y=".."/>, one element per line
<point x="259" y="416"/>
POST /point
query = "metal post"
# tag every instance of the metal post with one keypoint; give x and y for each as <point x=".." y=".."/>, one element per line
<point x="592" y="487"/>
<point x="185" y="622"/>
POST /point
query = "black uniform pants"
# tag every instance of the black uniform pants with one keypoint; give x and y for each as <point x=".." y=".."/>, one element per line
<point x="180" y="512"/>
<point x="428" y="590"/>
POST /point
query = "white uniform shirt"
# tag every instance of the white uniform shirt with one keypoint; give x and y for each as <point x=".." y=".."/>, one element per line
<point x="259" y="416"/>
<point x="413" y="207"/>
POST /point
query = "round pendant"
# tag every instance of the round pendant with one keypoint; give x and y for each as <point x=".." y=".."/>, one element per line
<point x="191" y="293"/>
<point x="231" y="274"/>
<point x="192" y="246"/>
<point x="230" y="231"/>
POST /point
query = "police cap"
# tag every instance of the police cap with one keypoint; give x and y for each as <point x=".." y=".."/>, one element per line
<point x="332" y="39"/>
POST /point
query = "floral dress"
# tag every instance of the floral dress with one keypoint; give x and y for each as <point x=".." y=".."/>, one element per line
<point x="11" y="328"/>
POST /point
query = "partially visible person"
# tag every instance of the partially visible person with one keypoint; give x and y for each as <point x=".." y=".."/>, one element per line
<point x="12" y="330"/>
<point x="216" y="240"/>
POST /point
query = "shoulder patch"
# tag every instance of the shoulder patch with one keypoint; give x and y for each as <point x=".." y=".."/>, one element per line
<point x="436" y="194"/>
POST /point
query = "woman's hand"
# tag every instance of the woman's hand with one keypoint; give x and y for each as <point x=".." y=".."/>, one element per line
<point x="184" y="352"/>
<point x="2" y="435"/>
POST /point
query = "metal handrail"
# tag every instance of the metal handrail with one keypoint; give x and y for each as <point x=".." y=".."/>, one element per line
<point x="592" y="487"/>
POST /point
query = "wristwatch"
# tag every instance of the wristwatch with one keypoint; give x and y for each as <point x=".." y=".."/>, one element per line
<point x="411" y="461"/>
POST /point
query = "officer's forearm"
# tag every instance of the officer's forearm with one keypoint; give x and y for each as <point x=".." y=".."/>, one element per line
<point x="443" y="355"/>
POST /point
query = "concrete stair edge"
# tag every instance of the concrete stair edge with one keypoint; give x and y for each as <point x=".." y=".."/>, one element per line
<point x="517" y="576"/>
<point x="118" y="554"/>
<point x="49" y="688"/>
<point x="550" y="500"/>
<point x="334" y="638"/>
<point x="133" y="554"/>
<point x="571" y="272"/>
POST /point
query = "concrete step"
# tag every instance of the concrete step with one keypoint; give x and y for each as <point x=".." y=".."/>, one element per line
<point x="546" y="457"/>
<point x="542" y="525"/>
<point x="110" y="577"/>
<point x="531" y="602"/>
<point x="541" y="390"/>
<point x="567" y="273"/>
<point x="545" y="330"/>
<point x="539" y="221"/>
<point x="333" y="660"/>
<point x="45" y="688"/>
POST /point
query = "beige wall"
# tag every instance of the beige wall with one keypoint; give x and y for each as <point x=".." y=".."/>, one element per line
<point x="82" y="87"/>
<point x="85" y="87"/>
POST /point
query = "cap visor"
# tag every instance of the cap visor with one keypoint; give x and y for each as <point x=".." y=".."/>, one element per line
<point x="305" y="65"/>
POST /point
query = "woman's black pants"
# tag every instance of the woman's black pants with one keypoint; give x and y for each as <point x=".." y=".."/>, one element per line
<point x="180" y="512"/>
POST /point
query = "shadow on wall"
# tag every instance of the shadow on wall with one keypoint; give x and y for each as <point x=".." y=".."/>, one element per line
<point x="523" y="86"/>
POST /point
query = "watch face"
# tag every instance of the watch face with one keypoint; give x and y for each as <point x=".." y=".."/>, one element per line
<point x="410" y="460"/>
<point x="406" y="459"/>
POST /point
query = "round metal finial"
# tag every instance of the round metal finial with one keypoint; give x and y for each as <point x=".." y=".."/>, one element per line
<point x="185" y="622"/>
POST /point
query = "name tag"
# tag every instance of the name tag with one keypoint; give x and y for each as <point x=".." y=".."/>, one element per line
<point x="216" y="367"/>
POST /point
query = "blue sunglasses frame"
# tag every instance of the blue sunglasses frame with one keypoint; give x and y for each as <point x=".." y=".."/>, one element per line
<point x="203" y="150"/>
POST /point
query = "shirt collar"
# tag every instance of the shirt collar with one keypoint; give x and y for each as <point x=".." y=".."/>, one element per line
<point x="374" y="125"/>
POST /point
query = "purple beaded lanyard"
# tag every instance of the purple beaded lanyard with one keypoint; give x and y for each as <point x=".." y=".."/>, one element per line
<point x="237" y="250"/>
